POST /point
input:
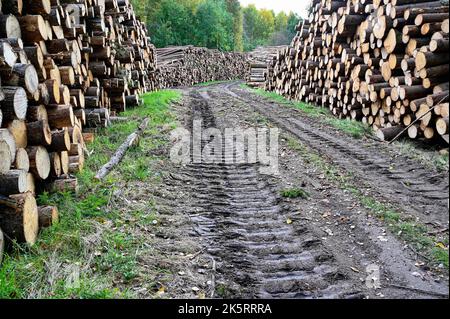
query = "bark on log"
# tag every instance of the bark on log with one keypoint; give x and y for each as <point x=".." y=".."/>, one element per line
<point x="13" y="182"/>
<point x="48" y="216"/>
<point x="388" y="133"/>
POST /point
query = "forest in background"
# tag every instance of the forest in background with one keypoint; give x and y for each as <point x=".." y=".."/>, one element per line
<point x="221" y="24"/>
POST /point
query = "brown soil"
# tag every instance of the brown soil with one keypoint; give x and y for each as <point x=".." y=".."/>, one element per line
<point x="227" y="230"/>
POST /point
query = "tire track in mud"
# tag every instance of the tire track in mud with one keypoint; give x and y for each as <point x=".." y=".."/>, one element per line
<point x="410" y="186"/>
<point x="244" y="221"/>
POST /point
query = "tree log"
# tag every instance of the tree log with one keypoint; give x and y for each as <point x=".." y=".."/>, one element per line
<point x="48" y="216"/>
<point x="39" y="161"/>
<point x="19" y="217"/>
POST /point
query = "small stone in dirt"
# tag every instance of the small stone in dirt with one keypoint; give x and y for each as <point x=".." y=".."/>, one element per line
<point x="195" y="289"/>
<point x="328" y="231"/>
<point x="419" y="264"/>
<point x="201" y="271"/>
<point x="155" y="222"/>
<point x="181" y="273"/>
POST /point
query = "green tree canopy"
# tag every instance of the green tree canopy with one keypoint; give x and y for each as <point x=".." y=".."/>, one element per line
<point x="222" y="24"/>
<point x="214" y="26"/>
<point x="171" y="24"/>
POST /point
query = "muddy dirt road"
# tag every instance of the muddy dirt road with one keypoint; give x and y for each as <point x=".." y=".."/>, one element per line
<point x="323" y="244"/>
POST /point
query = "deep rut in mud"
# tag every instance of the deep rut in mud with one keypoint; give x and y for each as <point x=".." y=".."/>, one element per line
<point x="423" y="193"/>
<point x="241" y="216"/>
<point x="262" y="245"/>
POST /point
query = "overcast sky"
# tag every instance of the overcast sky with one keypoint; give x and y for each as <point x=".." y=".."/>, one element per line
<point x="297" y="6"/>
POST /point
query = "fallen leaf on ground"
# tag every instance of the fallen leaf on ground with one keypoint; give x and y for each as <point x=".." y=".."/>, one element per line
<point x="201" y="295"/>
<point x="161" y="291"/>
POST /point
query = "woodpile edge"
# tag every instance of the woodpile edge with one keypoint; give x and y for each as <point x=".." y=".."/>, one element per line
<point x="382" y="62"/>
<point x="65" y="67"/>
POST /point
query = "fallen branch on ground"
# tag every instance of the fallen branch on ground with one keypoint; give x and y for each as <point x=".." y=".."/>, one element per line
<point x="120" y="153"/>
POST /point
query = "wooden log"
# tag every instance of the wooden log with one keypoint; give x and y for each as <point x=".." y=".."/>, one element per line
<point x="18" y="130"/>
<point x="60" y="141"/>
<point x="63" y="185"/>
<point x="442" y="126"/>
<point x="8" y="56"/>
<point x="48" y="216"/>
<point x="9" y="27"/>
<point x="34" y="28"/>
<point x="60" y="116"/>
<point x="14" y="104"/>
<point x="31" y="184"/>
<point x="38" y="133"/>
<point x="39" y="161"/>
<point x="5" y="157"/>
<point x="55" y="165"/>
<point x="437" y="98"/>
<point x="37" y="6"/>
<point x="6" y="136"/>
<point x="23" y="75"/>
<point x="430" y="59"/>
<point x="22" y="161"/>
<point x="13" y="182"/>
<point x="19" y="217"/>
<point x="388" y="133"/>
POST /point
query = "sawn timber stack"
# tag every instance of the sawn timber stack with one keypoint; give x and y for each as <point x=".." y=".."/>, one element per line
<point x="189" y="65"/>
<point x="64" y="66"/>
<point x="259" y="60"/>
<point x="382" y="62"/>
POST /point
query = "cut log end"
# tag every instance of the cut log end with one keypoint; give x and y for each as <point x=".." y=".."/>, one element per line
<point x="5" y="157"/>
<point x="19" y="219"/>
<point x="48" y="216"/>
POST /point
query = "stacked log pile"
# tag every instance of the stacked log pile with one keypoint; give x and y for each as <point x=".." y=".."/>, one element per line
<point x="65" y="65"/>
<point x="189" y="65"/>
<point x="382" y="62"/>
<point x="259" y="60"/>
